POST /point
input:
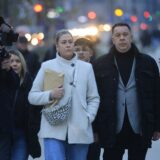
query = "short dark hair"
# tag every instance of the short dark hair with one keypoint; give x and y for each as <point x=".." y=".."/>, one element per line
<point x="22" y="39"/>
<point x="120" y="24"/>
<point x="83" y="42"/>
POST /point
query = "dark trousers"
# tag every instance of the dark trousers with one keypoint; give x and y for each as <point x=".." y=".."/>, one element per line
<point x="117" y="154"/>
<point x="127" y="139"/>
<point x="94" y="151"/>
<point x="5" y="143"/>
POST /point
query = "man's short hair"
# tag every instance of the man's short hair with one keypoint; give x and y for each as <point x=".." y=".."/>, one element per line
<point x="22" y="39"/>
<point x="119" y="25"/>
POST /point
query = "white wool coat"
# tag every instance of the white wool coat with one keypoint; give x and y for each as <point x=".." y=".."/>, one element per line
<point x="85" y="100"/>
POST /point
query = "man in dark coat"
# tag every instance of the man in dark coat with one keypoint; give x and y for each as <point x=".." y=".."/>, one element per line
<point x="31" y="58"/>
<point x="128" y="83"/>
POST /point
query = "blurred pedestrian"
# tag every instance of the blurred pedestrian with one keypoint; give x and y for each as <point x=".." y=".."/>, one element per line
<point x="22" y="142"/>
<point x="9" y="82"/>
<point x="128" y="84"/>
<point x="84" y="49"/>
<point x="51" y="51"/>
<point x="71" y="138"/>
<point x="31" y="58"/>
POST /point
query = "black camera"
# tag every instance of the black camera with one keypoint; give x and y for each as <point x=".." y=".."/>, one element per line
<point x="7" y="37"/>
<point x="3" y="54"/>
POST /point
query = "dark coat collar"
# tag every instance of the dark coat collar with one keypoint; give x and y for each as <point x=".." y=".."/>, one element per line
<point x="106" y="63"/>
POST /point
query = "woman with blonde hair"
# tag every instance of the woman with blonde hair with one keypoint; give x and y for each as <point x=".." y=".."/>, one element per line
<point x="69" y="139"/>
<point x="21" y="145"/>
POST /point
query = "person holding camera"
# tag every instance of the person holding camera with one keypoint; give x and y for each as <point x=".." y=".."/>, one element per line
<point x="9" y="82"/>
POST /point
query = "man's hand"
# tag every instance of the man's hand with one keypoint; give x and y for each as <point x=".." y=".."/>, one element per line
<point x="6" y="64"/>
<point x="156" y="136"/>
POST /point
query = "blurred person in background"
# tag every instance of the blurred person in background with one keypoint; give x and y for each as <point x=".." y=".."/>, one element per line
<point x="24" y="138"/>
<point x="51" y="52"/>
<point x="31" y="58"/>
<point x="84" y="49"/>
<point x="155" y="43"/>
<point x="9" y="82"/>
<point x="70" y="139"/>
<point x="128" y="84"/>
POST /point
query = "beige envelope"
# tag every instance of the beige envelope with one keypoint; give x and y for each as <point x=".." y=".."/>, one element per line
<point x="52" y="80"/>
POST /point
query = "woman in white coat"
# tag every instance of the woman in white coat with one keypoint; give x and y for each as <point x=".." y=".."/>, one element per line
<point x="70" y="139"/>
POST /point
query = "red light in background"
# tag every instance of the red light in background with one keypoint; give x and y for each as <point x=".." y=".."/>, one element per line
<point x="143" y="26"/>
<point x="133" y="19"/>
<point x="92" y="15"/>
<point x="146" y="14"/>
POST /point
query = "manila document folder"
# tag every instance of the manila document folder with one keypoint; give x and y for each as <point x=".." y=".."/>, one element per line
<point x="52" y="80"/>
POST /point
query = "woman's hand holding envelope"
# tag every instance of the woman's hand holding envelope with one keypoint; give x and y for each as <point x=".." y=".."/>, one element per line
<point x="57" y="93"/>
<point x="54" y="81"/>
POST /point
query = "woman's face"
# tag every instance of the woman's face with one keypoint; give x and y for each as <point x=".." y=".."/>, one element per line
<point x="65" y="46"/>
<point x="16" y="64"/>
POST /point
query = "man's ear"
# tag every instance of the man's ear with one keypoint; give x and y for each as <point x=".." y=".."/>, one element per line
<point x="132" y="37"/>
<point x="112" y="39"/>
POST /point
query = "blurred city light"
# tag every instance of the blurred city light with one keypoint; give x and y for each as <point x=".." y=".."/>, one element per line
<point x="107" y="27"/>
<point x="118" y="12"/>
<point x="52" y="14"/>
<point x="34" y="41"/>
<point x="146" y="14"/>
<point x="133" y="19"/>
<point x="28" y="36"/>
<point x="59" y="9"/>
<point x="150" y="18"/>
<point x="82" y="19"/>
<point x="143" y="26"/>
<point x="90" y="31"/>
<point x="40" y="36"/>
<point x="91" y="15"/>
<point x="38" y="8"/>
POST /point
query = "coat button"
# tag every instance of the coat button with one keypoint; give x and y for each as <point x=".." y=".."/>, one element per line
<point x="72" y="64"/>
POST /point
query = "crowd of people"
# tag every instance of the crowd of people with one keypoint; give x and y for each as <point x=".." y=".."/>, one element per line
<point x="114" y="100"/>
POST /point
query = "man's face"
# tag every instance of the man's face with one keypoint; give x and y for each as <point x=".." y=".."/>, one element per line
<point x="22" y="46"/>
<point x="122" y="38"/>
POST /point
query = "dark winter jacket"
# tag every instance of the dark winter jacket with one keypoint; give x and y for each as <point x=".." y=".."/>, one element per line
<point x="9" y="82"/>
<point x="147" y="81"/>
<point x="26" y="118"/>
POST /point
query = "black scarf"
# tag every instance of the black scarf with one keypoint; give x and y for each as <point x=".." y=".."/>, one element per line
<point x="125" y="62"/>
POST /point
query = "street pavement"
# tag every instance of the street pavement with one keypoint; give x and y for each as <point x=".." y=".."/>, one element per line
<point x="153" y="153"/>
